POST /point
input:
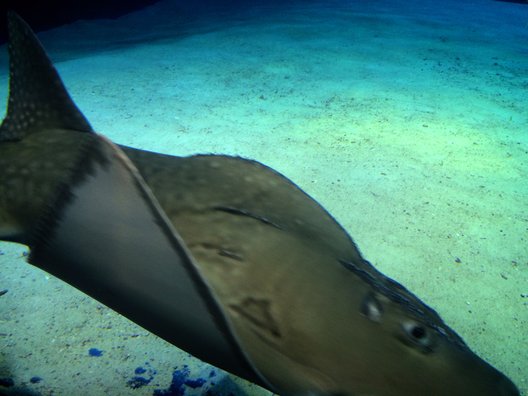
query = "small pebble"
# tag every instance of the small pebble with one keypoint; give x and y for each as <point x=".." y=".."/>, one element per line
<point x="138" y="382"/>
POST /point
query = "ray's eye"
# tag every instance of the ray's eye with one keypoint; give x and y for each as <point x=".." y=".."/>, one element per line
<point x="417" y="332"/>
<point x="417" y="335"/>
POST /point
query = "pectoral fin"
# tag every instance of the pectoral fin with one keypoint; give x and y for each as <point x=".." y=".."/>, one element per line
<point x="106" y="235"/>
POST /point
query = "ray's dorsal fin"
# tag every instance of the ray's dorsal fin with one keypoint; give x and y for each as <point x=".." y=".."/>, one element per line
<point x="37" y="97"/>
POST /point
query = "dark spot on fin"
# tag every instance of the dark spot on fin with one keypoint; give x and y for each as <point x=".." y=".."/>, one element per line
<point x="37" y="97"/>
<point x="221" y="251"/>
<point x="242" y="212"/>
<point x="230" y="254"/>
<point x="258" y="312"/>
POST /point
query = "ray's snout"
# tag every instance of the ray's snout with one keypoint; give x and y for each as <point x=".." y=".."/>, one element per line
<point x="488" y="381"/>
<point x="507" y="387"/>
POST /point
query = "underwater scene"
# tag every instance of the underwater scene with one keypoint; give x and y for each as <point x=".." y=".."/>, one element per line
<point x="403" y="124"/>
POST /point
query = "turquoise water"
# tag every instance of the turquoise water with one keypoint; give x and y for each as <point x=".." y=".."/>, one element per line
<point x="406" y="121"/>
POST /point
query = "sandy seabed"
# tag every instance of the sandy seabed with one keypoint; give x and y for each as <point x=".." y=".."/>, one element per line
<point x="407" y="123"/>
